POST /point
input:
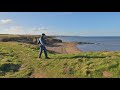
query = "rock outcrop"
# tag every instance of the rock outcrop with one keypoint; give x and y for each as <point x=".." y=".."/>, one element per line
<point x="84" y="43"/>
<point x="30" y="39"/>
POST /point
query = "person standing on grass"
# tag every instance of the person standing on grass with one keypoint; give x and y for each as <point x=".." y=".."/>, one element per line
<point x="42" y="43"/>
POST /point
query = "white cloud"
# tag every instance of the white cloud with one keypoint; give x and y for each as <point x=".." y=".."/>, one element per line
<point x="5" y="21"/>
<point x="14" y="30"/>
<point x="40" y="30"/>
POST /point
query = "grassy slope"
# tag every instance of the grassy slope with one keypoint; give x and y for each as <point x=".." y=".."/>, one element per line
<point x="18" y="60"/>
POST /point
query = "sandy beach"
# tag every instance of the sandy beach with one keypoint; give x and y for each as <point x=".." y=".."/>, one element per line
<point x="64" y="48"/>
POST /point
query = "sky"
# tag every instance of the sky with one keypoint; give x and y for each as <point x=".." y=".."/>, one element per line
<point x="61" y="23"/>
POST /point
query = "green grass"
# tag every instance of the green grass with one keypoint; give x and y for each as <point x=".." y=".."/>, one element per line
<point x="19" y="60"/>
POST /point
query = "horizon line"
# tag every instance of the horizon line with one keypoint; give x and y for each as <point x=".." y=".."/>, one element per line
<point x="66" y="35"/>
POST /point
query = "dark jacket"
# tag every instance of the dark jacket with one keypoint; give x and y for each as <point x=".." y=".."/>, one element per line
<point x="42" y="41"/>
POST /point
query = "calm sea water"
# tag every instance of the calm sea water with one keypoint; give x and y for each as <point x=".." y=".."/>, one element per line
<point x="101" y="43"/>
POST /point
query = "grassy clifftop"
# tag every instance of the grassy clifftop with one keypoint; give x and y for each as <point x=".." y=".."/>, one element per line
<point x="19" y="60"/>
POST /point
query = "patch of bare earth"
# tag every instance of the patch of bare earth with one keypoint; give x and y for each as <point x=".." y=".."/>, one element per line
<point x="38" y="75"/>
<point x="107" y="74"/>
<point x="64" y="48"/>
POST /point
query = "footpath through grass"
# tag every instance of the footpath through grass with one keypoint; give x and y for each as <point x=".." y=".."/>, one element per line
<point x="19" y="60"/>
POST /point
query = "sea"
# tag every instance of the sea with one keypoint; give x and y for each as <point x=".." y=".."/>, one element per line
<point x="101" y="43"/>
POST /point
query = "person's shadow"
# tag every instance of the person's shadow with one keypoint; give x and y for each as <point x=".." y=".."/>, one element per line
<point x="82" y="56"/>
<point x="89" y="57"/>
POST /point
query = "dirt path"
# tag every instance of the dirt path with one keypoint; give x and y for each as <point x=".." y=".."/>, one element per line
<point x="64" y="48"/>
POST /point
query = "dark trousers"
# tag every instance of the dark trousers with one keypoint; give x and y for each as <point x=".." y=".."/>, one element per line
<point x="43" y="48"/>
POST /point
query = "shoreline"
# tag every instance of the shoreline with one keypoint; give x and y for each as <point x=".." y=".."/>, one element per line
<point x="64" y="48"/>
